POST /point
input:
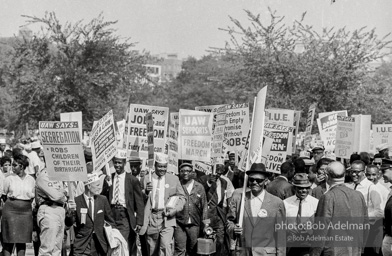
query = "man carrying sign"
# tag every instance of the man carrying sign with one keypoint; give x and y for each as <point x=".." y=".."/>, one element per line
<point x="126" y="199"/>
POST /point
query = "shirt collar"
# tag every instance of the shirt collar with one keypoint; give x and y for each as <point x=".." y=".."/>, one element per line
<point x="86" y="197"/>
<point x="280" y="176"/>
<point x="260" y="197"/>
<point x="120" y="175"/>
<point x="364" y="182"/>
<point x="303" y="200"/>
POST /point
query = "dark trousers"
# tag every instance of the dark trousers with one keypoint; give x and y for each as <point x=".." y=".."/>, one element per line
<point x="185" y="240"/>
<point x="93" y="248"/>
<point x="219" y="228"/>
<point x="143" y="245"/>
<point x="121" y="219"/>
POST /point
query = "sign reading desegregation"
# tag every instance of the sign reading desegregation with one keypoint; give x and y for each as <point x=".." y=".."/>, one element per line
<point x="63" y="151"/>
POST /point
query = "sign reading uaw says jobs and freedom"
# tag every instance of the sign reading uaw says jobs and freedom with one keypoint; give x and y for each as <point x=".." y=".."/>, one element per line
<point x="135" y="139"/>
<point x="194" y="135"/>
<point x="63" y="151"/>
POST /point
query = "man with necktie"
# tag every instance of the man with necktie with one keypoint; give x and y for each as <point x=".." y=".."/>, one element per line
<point x="91" y="210"/>
<point x="300" y="209"/>
<point x="127" y="203"/>
<point x="166" y="197"/>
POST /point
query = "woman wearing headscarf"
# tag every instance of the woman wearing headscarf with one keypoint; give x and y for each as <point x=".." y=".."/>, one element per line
<point x="17" y="220"/>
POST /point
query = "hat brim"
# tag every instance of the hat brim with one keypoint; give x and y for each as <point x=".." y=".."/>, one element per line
<point x="258" y="172"/>
<point x="186" y="165"/>
<point x="307" y="185"/>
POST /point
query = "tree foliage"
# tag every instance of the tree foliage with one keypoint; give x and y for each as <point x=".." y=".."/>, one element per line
<point x="72" y="67"/>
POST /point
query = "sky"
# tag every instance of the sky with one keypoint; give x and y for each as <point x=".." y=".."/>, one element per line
<point x="190" y="27"/>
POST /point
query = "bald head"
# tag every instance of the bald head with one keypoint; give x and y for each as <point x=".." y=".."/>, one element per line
<point x="336" y="170"/>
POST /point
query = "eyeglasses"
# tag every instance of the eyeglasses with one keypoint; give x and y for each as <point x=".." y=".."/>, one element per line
<point x="356" y="171"/>
<point x="251" y="180"/>
<point x="185" y="171"/>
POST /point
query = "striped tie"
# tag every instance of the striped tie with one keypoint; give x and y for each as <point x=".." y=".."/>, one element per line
<point x="117" y="191"/>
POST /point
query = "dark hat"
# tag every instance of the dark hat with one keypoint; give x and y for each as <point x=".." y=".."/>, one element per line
<point x="301" y="180"/>
<point x="135" y="160"/>
<point x="386" y="164"/>
<point x="186" y="164"/>
<point x="257" y="168"/>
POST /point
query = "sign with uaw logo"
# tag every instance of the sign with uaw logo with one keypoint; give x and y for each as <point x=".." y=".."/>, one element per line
<point x="194" y="135"/>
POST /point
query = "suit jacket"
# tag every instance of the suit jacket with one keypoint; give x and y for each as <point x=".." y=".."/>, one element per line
<point x="133" y="198"/>
<point x="319" y="191"/>
<point x="83" y="232"/>
<point x="172" y="188"/>
<point x="281" y="188"/>
<point x="342" y="204"/>
<point x="259" y="236"/>
<point x="216" y="209"/>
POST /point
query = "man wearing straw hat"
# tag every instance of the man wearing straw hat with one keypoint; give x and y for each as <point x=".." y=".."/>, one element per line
<point x="91" y="212"/>
<point x="166" y="197"/>
<point x="263" y="212"/>
<point x="126" y="199"/>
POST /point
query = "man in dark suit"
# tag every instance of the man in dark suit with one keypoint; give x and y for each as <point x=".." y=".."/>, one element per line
<point x="263" y="211"/>
<point x="216" y="188"/>
<point x="280" y="186"/>
<point x="126" y="198"/>
<point x="91" y="211"/>
<point x="340" y="205"/>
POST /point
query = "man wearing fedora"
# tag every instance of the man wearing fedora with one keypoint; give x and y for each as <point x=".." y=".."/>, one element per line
<point x="300" y="209"/>
<point x="263" y="212"/>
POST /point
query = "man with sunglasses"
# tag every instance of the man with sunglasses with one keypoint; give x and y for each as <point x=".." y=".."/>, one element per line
<point x="300" y="209"/>
<point x="263" y="212"/>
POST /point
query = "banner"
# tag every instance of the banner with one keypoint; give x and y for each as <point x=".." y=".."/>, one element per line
<point x="150" y="139"/>
<point x="237" y="127"/>
<point x="194" y="135"/>
<point x="173" y="150"/>
<point x="345" y="132"/>
<point x="309" y="125"/>
<point x="382" y="133"/>
<point x="63" y="151"/>
<point x="135" y="139"/>
<point x="103" y="141"/>
<point x="327" y="123"/>
<point x="73" y="116"/>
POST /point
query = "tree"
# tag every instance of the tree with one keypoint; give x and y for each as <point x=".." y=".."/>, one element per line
<point x="72" y="67"/>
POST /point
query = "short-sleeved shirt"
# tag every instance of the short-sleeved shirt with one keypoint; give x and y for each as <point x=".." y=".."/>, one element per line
<point x="19" y="188"/>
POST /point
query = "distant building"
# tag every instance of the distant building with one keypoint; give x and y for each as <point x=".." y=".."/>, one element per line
<point x="164" y="67"/>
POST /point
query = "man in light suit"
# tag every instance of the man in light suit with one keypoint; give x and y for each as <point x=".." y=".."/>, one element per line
<point x="159" y="217"/>
<point x="126" y="199"/>
<point x="90" y="212"/>
<point x="340" y="204"/>
<point x="262" y="212"/>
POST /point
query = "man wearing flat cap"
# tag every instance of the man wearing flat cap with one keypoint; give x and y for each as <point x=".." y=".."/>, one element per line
<point x="191" y="218"/>
<point x="166" y="197"/>
<point x="300" y="209"/>
<point x="263" y="211"/>
<point x="126" y="199"/>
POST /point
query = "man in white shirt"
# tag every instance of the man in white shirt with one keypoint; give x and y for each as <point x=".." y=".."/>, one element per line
<point x="374" y="174"/>
<point x="300" y="209"/>
<point x="34" y="160"/>
<point x="373" y="202"/>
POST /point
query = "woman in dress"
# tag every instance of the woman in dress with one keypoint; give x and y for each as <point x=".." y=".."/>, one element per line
<point x="17" y="221"/>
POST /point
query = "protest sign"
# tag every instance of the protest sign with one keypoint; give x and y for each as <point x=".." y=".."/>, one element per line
<point x="218" y="135"/>
<point x="297" y="117"/>
<point x="345" y="132"/>
<point x="174" y="119"/>
<point x="309" y="125"/>
<point x="103" y="141"/>
<point x="136" y="131"/>
<point x="63" y="151"/>
<point x="282" y="142"/>
<point x="283" y="117"/>
<point x="173" y="150"/>
<point x="362" y="126"/>
<point x="237" y="127"/>
<point x="73" y="116"/>
<point x="150" y="138"/>
<point x="202" y="167"/>
<point x="194" y="135"/>
<point x="327" y="123"/>
<point x="382" y="133"/>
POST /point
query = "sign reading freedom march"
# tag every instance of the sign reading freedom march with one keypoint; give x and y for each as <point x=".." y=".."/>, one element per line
<point x="63" y="151"/>
<point x="136" y="129"/>
<point x="103" y="141"/>
<point x="194" y="135"/>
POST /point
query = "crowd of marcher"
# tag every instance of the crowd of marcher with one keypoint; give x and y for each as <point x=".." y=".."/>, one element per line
<point x="193" y="213"/>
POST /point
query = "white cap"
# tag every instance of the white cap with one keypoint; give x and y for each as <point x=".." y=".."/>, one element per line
<point x="35" y="144"/>
<point x="331" y="156"/>
<point x="91" y="178"/>
<point x="304" y="154"/>
<point x="382" y="147"/>
<point x="161" y="158"/>
<point x="121" y="154"/>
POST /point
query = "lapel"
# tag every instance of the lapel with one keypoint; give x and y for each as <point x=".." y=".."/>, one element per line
<point x="84" y="205"/>
<point x="248" y="207"/>
<point x="111" y="190"/>
<point x="194" y="188"/>
<point x="127" y="181"/>
<point x="97" y="206"/>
